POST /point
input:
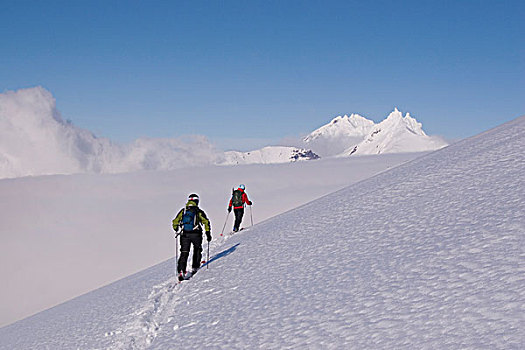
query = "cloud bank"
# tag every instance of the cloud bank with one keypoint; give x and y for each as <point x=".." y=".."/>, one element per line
<point x="35" y="140"/>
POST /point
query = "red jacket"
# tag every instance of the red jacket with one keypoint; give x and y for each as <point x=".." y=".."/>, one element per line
<point x="245" y="200"/>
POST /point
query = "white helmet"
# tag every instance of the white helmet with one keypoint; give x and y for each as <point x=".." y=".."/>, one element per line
<point x="194" y="197"/>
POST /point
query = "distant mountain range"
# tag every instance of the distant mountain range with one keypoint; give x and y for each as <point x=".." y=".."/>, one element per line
<point x="35" y="140"/>
<point x="347" y="136"/>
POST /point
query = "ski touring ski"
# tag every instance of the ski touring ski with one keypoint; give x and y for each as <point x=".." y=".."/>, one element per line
<point x="186" y="276"/>
<point x="234" y="232"/>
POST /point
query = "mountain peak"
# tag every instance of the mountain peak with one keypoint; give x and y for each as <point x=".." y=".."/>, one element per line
<point x="396" y="119"/>
<point x="395" y="115"/>
<point x="342" y="126"/>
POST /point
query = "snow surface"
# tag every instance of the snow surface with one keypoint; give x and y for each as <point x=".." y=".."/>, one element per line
<point x="429" y="255"/>
<point x="72" y="234"/>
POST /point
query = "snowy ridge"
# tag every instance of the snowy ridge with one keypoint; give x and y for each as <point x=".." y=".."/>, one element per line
<point x="396" y="134"/>
<point x="268" y="155"/>
<point x="426" y="255"/>
<point x="347" y="126"/>
<point x="345" y="136"/>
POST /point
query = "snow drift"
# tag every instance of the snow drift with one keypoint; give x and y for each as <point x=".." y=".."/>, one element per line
<point x="426" y="255"/>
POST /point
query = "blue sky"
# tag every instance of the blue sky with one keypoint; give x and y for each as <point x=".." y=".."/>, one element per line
<point x="250" y="73"/>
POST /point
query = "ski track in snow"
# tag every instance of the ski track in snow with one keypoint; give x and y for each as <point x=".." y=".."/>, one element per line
<point x="140" y="328"/>
<point x="429" y="255"/>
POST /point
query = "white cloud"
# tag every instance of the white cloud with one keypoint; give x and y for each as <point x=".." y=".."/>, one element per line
<point x="35" y="140"/>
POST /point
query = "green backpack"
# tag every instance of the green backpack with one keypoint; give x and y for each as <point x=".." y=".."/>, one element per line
<point x="237" y="198"/>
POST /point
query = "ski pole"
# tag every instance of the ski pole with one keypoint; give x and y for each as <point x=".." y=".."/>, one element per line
<point x="251" y="214"/>
<point x="227" y="215"/>
<point x="176" y="254"/>
<point x="208" y="257"/>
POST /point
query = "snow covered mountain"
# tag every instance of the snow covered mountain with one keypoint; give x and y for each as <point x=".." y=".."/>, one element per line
<point x="396" y="134"/>
<point x="268" y="155"/>
<point x="336" y="136"/>
<point x="426" y="255"/>
<point x="345" y="136"/>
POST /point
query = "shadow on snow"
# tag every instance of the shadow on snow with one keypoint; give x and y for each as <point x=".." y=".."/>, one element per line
<point x="222" y="254"/>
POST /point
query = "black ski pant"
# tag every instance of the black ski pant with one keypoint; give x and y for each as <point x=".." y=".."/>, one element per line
<point x="186" y="240"/>
<point x="238" y="218"/>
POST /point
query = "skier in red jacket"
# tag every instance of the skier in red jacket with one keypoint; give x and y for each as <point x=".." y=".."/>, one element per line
<point x="238" y="200"/>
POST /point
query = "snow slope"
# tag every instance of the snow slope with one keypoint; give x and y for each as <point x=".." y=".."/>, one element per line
<point x="428" y="255"/>
<point x="268" y="155"/>
<point x="72" y="234"/>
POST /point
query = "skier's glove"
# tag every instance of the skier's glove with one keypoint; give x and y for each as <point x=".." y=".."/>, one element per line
<point x="229" y="209"/>
<point x="208" y="235"/>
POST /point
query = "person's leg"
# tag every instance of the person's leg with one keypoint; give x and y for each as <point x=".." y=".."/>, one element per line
<point x="185" y="243"/>
<point x="238" y="218"/>
<point x="197" y="251"/>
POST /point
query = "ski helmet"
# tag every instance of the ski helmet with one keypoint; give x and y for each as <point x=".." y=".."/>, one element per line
<point x="194" y="197"/>
<point x="242" y="187"/>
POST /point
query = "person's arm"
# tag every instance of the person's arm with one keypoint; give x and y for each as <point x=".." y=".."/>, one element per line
<point x="204" y="220"/>
<point x="245" y="198"/>
<point x="176" y="221"/>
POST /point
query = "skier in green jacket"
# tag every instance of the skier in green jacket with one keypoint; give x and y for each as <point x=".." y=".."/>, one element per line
<point x="189" y="221"/>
